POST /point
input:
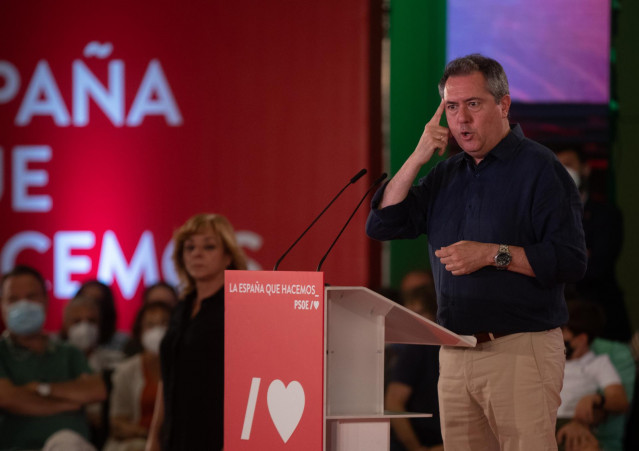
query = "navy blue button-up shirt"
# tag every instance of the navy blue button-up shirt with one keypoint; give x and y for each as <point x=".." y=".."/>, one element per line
<point x="519" y="195"/>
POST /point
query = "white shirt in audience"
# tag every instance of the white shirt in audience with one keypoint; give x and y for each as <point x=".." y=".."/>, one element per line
<point x="586" y="375"/>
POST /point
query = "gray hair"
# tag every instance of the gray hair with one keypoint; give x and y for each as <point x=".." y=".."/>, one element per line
<point x="493" y="72"/>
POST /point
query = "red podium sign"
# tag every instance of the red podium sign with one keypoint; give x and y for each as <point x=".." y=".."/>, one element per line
<point x="274" y="388"/>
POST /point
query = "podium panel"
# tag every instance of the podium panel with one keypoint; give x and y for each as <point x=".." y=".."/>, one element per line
<point x="274" y="373"/>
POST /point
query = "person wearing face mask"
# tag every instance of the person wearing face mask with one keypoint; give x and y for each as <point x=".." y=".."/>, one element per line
<point x="109" y="337"/>
<point x="603" y="228"/>
<point x="135" y="381"/>
<point x="189" y="412"/>
<point x="81" y="328"/>
<point x="157" y="292"/>
<point x="592" y="388"/>
<point x="44" y="384"/>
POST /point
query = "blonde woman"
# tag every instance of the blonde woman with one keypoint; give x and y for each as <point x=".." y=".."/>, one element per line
<point x="190" y="404"/>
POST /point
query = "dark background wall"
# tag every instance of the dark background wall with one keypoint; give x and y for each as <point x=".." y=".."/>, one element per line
<point x="626" y="152"/>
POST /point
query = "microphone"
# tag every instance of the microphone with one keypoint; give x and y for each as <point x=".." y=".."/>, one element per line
<point x="375" y="183"/>
<point x="353" y="179"/>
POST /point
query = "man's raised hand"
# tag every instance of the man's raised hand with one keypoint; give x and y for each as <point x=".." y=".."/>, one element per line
<point x="435" y="137"/>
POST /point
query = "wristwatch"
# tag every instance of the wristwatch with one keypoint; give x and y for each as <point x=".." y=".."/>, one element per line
<point x="503" y="257"/>
<point x="44" y="390"/>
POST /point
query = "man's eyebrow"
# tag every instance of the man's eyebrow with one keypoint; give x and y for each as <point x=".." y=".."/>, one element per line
<point x="470" y="99"/>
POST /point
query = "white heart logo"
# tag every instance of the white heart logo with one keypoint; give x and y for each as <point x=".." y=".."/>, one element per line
<point x="316" y="304"/>
<point x="286" y="406"/>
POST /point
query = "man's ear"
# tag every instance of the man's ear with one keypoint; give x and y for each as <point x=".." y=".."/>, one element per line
<point x="504" y="103"/>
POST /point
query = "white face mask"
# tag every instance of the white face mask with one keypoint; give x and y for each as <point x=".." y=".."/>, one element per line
<point x="152" y="338"/>
<point x="83" y="335"/>
<point x="575" y="176"/>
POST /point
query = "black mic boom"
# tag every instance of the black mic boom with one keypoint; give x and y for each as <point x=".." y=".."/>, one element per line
<point x="375" y="183"/>
<point x="353" y="179"/>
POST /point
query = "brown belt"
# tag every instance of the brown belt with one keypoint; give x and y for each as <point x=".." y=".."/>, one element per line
<point x="483" y="337"/>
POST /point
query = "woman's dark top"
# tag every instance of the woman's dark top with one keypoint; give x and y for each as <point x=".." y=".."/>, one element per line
<point x="192" y="360"/>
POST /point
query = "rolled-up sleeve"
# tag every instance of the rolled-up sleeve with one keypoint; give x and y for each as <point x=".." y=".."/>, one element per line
<point x="559" y="255"/>
<point x="405" y="220"/>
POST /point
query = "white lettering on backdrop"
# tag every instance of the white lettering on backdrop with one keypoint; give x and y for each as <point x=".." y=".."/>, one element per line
<point x="42" y="97"/>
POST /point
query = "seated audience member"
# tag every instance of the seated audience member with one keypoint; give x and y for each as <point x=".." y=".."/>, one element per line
<point x="415" y="278"/>
<point x="412" y="385"/>
<point x="592" y="387"/>
<point x="632" y="429"/>
<point x="81" y="327"/>
<point x="610" y="433"/>
<point x="422" y="300"/>
<point x="158" y="292"/>
<point x="603" y="227"/>
<point x="109" y="337"/>
<point x="135" y="381"/>
<point x="44" y="384"/>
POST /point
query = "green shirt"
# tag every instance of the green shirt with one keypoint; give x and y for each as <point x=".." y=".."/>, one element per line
<point x="60" y="362"/>
<point x="610" y="433"/>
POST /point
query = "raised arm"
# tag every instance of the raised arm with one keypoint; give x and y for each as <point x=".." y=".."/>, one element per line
<point x="435" y="137"/>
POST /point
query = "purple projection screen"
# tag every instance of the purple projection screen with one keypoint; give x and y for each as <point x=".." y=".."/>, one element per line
<point x="553" y="51"/>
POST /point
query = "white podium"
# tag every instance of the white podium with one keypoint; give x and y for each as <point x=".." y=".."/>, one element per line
<point x="358" y="323"/>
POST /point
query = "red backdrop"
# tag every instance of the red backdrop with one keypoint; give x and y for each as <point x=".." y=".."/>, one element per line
<point x="256" y="110"/>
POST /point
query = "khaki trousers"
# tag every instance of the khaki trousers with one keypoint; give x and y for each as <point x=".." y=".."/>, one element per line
<point x="503" y="394"/>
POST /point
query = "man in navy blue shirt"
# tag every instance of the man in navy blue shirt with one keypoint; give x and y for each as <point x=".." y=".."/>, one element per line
<point x="503" y="220"/>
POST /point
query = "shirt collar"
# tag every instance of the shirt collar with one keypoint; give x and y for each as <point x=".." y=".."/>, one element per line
<point x="506" y="148"/>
